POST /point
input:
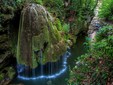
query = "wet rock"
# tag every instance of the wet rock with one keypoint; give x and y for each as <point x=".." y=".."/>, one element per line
<point x="38" y="36"/>
<point x="7" y="13"/>
<point x="5" y="82"/>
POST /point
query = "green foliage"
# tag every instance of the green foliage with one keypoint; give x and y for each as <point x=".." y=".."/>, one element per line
<point x="76" y="12"/>
<point x="83" y="12"/>
<point x="58" y="24"/>
<point x="55" y="6"/>
<point x="104" y="32"/>
<point x="66" y="27"/>
<point x="19" y="1"/>
<point x="82" y="5"/>
<point x="38" y="1"/>
<point x="106" y="10"/>
<point x="87" y="43"/>
<point x="103" y="46"/>
<point x="95" y="67"/>
<point x="1" y="77"/>
<point x="11" y="73"/>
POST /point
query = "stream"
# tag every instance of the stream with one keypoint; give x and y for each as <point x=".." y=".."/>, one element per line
<point x="54" y="73"/>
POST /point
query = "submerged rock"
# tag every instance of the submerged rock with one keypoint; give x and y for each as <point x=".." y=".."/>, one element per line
<point x="38" y="37"/>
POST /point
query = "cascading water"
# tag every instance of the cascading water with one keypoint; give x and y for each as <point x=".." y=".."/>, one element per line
<point x="37" y="33"/>
<point x="60" y="69"/>
<point x="63" y="64"/>
<point x="40" y="45"/>
<point x="41" y="62"/>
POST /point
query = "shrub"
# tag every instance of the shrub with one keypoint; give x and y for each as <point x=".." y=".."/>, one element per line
<point x="38" y="1"/>
<point x="55" y="7"/>
<point x="66" y="27"/>
<point x="104" y="32"/>
<point x="96" y="66"/>
<point x="106" y="10"/>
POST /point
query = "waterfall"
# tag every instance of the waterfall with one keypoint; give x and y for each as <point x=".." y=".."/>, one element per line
<point x="40" y="46"/>
<point x="50" y="76"/>
<point x="36" y="32"/>
<point x="41" y="61"/>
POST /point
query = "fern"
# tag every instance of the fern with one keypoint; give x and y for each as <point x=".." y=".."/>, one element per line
<point x="66" y="27"/>
<point x="106" y="10"/>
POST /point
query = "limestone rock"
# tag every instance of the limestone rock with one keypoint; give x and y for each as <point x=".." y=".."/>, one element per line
<point x="38" y="37"/>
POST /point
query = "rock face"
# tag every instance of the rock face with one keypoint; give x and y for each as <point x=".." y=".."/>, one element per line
<point x="38" y="38"/>
<point x="6" y="56"/>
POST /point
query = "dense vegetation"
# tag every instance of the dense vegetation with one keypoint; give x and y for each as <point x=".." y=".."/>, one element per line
<point x="71" y="17"/>
<point x="106" y="10"/>
<point x="72" y="12"/>
<point x="95" y="67"/>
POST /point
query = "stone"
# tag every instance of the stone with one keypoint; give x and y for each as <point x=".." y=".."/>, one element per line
<point x="38" y="36"/>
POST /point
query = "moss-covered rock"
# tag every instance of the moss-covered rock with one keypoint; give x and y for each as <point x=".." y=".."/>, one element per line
<point x="7" y="13"/>
<point x="11" y="73"/>
<point x="1" y="77"/>
<point x="6" y="75"/>
<point x="38" y="37"/>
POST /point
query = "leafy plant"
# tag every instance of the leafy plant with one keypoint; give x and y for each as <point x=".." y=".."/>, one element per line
<point x="82" y="11"/>
<point x="38" y="1"/>
<point x="96" y="66"/>
<point x="66" y="27"/>
<point x="55" y="7"/>
<point x="104" y="32"/>
<point x="106" y="10"/>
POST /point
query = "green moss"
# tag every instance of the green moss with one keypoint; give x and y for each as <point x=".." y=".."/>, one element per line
<point x="43" y="37"/>
<point x="11" y="72"/>
<point x="66" y="27"/>
<point x="38" y="1"/>
<point x="1" y="76"/>
<point x="56" y="45"/>
<point x="58" y="24"/>
<point x="40" y="39"/>
<point x="34" y="61"/>
<point x="57" y="34"/>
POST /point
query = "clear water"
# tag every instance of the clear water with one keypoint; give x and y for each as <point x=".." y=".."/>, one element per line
<point x="52" y="68"/>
